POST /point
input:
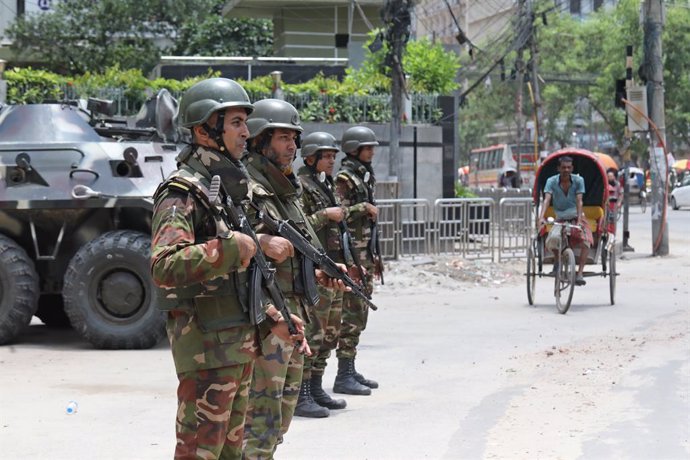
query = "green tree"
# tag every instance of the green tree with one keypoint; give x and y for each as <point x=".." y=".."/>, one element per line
<point x="580" y="61"/>
<point x="676" y="50"/>
<point x="83" y="35"/>
<point x="430" y="68"/>
<point x="220" y="36"/>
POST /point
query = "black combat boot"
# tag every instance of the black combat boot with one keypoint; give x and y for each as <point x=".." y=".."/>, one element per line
<point x="306" y="406"/>
<point x="321" y="397"/>
<point x="361" y="379"/>
<point x="345" y="379"/>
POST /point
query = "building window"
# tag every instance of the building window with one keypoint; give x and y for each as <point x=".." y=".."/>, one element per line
<point x="575" y="7"/>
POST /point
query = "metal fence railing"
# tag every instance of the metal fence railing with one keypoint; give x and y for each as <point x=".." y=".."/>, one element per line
<point x="404" y="227"/>
<point x="423" y="108"/>
<point x="515" y="227"/>
<point x="476" y="228"/>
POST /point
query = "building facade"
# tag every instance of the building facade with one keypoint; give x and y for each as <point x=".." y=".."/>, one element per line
<point x="314" y="28"/>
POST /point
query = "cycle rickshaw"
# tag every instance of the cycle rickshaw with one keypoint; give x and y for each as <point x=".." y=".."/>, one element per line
<point x="600" y="217"/>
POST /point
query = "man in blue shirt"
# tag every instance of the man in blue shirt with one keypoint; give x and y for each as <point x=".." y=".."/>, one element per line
<point x="564" y="191"/>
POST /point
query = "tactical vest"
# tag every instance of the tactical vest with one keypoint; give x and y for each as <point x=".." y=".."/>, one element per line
<point x="318" y="196"/>
<point x="218" y="303"/>
<point x="278" y="196"/>
<point x="354" y="173"/>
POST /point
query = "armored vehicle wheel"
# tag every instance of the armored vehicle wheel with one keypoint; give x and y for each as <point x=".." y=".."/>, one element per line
<point x="109" y="295"/>
<point x="18" y="289"/>
<point x="51" y="311"/>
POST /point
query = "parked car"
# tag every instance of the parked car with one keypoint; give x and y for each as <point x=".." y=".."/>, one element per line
<point x="680" y="196"/>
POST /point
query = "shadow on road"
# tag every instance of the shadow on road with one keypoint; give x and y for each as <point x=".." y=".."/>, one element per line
<point x="38" y="335"/>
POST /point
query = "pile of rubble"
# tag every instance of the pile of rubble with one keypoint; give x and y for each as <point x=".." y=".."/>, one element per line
<point x="451" y="271"/>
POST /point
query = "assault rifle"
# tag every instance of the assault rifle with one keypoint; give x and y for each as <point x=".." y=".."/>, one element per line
<point x="345" y="237"/>
<point x="349" y="247"/>
<point x="261" y="272"/>
<point x="374" y="246"/>
<point x="289" y="231"/>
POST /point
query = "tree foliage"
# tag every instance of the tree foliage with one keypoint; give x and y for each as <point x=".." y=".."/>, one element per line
<point x="580" y="60"/>
<point x="429" y="68"/>
<point x="83" y="35"/>
<point x="220" y="36"/>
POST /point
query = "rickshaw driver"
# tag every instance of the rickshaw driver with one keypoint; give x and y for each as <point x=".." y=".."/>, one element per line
<point x="565" y="191"/>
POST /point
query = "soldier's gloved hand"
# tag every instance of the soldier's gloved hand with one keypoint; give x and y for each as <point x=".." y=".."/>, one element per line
<point x="247" y="248"/>
<point x="332" y="283"/>
<point x="276" y="247"/>
<point x="335" y="213"/>
<point x="372" y="210"/>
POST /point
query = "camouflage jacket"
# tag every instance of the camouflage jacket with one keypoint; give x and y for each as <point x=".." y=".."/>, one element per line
<point x="316" y="197"/>
<point x="278" y="196"/>
<point x="197" y="266"/>
<point x="355" y="185"/>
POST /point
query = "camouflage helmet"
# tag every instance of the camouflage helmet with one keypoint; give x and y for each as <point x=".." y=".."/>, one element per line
<point x="273" y="113"/>
<point x="317" y="141"/>
<point x="207" y="96"/>
<point x="356" y="137"/>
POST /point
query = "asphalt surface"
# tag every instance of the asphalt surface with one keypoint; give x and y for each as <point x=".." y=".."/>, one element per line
<point x="469" y="371"/>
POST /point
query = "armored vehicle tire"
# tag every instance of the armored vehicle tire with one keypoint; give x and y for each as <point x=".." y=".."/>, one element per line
<point x="18" y="289"/>
<point x="51" y="311"/>
<point x="109" y="295"/>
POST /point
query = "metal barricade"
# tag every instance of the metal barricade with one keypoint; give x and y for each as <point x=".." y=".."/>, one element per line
<point x="404" y="226"/>
<point x="515" y="227"/>
<point x="473" y="228"/>
<point x="464" y="227"/>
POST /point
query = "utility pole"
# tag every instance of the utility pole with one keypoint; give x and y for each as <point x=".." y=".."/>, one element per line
<point x="629" y="83"/>
<point x="397" y="18"/>
<point x="523" y="16"/>
<point x="534" y="58"/>
<point x="520" y="79"/>
<point x="654" y="18"/>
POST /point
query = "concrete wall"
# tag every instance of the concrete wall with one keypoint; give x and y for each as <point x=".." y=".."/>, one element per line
<point x="429" y="159"/>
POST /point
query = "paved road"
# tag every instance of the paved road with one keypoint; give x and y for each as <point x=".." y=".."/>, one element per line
<point x="470" y="372"/>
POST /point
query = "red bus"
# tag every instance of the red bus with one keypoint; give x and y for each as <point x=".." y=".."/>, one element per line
<point x="487" y="164"/>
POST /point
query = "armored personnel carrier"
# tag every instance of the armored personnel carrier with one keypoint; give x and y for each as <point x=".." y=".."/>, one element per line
<point x="76" y="189"/>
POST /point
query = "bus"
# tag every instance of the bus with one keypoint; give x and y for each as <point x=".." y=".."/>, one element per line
<point x="487" y="164"/>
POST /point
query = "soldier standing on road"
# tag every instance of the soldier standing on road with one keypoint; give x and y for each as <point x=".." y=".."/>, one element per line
<point x="355" y="184"/>
<point x="326" y="216"/>
<point x="274" y="135"/>
<point x="198" y="263"/>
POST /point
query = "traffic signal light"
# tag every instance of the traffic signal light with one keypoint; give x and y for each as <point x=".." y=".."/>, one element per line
<point x="620" y="94"/>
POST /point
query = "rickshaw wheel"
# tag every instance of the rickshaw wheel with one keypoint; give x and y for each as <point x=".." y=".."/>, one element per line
<point x="531" y="272"/>
<point x="565" y="281"/>
<point x="612" y="276"/>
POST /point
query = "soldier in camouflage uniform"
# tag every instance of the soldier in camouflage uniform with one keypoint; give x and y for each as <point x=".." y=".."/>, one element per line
<point x="355" y="184"/>
<point x="326" y="216"/>
<point x="198" y="263"/>
<point x="274" y="135"/>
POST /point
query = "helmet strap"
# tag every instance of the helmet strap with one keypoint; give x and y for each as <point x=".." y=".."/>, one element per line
<point x="312" y="167"/>
<point x="216" y="133"/>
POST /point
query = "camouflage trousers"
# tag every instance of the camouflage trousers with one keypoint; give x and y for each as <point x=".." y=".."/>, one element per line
<point x="273" y="396"/>
<point x="354" y="321"/>
<point x="323" y="331"/>
<point x="211" y="410"/>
